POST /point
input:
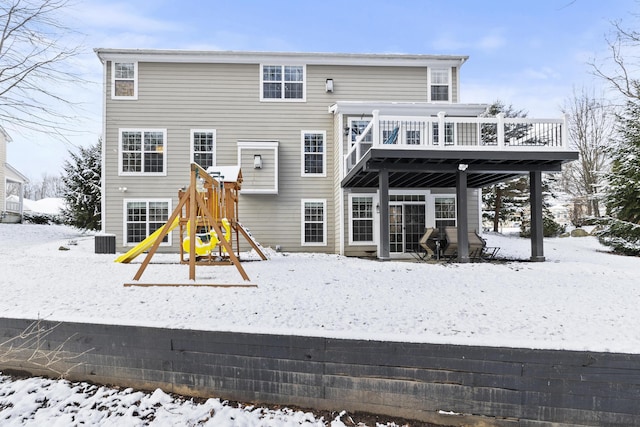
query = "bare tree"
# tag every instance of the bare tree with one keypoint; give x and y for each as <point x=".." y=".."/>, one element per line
<point x="590" y="131"/>
<point x="623" y="46"/>
<point x="33" y="349"/>
<point x="46" y="186"/>
<point x="34" y="56"/>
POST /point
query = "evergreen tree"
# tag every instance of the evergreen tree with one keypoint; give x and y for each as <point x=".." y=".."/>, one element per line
<point x="623" y="196"/>
<point x="82" y="188"/>
<point x="622" y="230"/>
<point x="504" y="201"/>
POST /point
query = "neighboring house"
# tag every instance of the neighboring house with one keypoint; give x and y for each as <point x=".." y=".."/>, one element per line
<point x="10" y="207"/>
<point x="340" y="153"/>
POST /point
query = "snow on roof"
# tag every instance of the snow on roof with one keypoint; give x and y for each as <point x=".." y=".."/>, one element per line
<point x="224" y="173"/>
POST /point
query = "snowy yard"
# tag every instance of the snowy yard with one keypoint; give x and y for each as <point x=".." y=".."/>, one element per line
<point x="582" y="298"/>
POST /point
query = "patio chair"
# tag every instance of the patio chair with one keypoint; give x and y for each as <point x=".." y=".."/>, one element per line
<point x="393" y="136"/>
<point x="427" y="245"/>
<point x="478" y="250"/>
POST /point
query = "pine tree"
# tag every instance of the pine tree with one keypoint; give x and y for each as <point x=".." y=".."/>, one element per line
<point x="504" y="201"/>
<point x="82" y="188"/>
<point x="622" y="231"/>
<point x="623" y="196"/>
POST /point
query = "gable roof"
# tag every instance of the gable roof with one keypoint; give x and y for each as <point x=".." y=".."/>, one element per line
<point x="245" y="57"/>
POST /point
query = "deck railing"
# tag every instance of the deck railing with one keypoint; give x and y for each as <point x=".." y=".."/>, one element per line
<point x="13" y="206"/>
<point x="458" y="133"/>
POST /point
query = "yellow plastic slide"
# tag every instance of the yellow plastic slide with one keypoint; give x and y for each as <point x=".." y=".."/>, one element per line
<point x="145" y="244"/>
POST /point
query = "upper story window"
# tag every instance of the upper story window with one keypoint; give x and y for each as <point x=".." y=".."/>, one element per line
<point x="124" y="80"/>
<point x="440" y="84"/>
<point x="357" y="127"/>
<point x="142" y="152"/>
<point x="313" y="153"/>
<point x="203" y="147"/>
<point x="283" y="82"/>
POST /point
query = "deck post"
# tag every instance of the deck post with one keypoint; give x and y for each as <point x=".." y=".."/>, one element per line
<point x="462" y="213"/>
<point x="383" y="184"/>
<point x="537" y="229"/>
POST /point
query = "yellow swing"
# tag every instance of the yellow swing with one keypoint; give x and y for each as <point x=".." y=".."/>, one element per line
<point x="206" y="242"/>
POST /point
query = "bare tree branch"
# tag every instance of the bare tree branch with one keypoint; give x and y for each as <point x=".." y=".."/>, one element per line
<point x="35" y="52"/>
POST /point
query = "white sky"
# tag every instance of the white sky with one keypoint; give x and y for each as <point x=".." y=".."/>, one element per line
<point x="528" y="54"/>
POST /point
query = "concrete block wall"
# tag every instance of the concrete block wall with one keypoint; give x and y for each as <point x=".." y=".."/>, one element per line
<point x="442" y="384"/>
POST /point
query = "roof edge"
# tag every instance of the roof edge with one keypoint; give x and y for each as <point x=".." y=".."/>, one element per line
<point x="256" y="57"/>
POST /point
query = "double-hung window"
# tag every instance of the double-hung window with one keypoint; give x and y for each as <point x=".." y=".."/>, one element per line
<point x="124" y="80"/>
<point x="440" y="84"/>
<point x="448" y="137"/>
<point x="282" y="82"/>
<point x="314" y="153"/>
<point x="143" y="152"/>
<point x="361" y="218"/>
<point x="445" y="211"/>
<point x="314" y="222"/>
<point x="143" y="217"/>
<point x="203" y="147"/>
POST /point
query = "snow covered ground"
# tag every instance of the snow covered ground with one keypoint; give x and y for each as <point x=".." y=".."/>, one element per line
<point x="58" y="403"/>
<point x="582" y="298"/>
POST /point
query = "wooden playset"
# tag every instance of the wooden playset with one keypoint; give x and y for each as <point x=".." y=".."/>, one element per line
<point x="207" y="217"/>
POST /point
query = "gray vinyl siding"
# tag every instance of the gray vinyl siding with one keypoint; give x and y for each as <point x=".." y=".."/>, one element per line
<point x="179" y="97"/>
<point x="454" y="84"/>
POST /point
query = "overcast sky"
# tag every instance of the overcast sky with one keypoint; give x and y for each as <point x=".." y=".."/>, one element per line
<point x="530" y="54"/>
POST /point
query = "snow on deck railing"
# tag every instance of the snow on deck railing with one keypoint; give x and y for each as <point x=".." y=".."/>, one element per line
<point x="458" y="133"/>
<point x="12" y="206"/>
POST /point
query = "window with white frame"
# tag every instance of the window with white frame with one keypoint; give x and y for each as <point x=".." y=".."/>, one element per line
<point x="124" y="80"/>
<point x="445" y="211"/>
<point x="314" y="222"/>
<point x="361" y="210"/>
<point x="440" y="84"/>
<point x="449" y="133"/>
<point x="142" y="151"/>
<point x="357" y="127"/>
<point x="143" y="217"/>
<point x="313" y="153"/>
<point x="283" y="82"/>
<point x="203" y="147"/>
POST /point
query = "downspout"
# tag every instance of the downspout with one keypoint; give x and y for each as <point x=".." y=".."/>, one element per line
<point x="103" y="153"/>
<point x="340" y="177"/>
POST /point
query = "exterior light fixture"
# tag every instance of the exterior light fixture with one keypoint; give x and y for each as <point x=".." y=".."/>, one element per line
<point x="329" y="85"/>
<point x="257" y="161"/>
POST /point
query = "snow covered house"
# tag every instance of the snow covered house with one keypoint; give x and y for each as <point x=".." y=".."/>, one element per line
<point x="340" y="153"/>
<point x="11" y="207"/>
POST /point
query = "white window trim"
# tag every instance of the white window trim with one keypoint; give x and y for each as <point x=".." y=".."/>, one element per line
<point x="324" y="154"/>
<point x="450" y="95"/>
<point x="324" y="222"/>
<point x="432" y="203"/>
<point x="350" y="121"/>
<point x="374" y="219"/>
<point x="260" y="145"/>
<point x="191" y="143"/>
<point x="142" y="173"/>
<point x="124" y="219"/>
<point x="282" y="99"/>
<point x="135" y="81"/>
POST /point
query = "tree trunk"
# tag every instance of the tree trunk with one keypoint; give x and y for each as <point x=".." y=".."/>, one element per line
<point x="496" y="212"/>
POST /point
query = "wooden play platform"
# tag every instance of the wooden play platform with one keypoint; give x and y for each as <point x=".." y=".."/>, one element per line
<point x="207" y="217"/>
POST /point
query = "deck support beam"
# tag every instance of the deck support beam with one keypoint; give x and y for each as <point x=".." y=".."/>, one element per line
<point x="383" y="187"/>
<point x="537" y="228"/>
<point x="462" y="213"/>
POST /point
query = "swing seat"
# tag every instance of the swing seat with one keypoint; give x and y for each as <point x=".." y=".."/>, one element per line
<point x="206" y="242"/>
